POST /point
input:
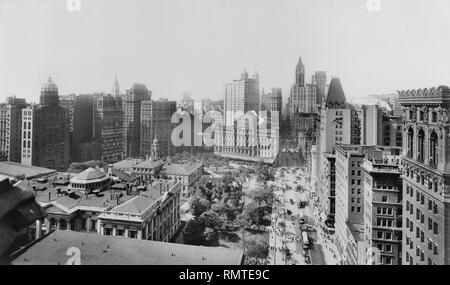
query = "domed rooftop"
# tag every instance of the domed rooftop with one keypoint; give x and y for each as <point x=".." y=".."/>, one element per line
<point x="49" y="93"/>
<point x="89" y="175"/>
<point x="336" y="97"/>
<point x="155" y="141"/>
<point x="139" y="86"/>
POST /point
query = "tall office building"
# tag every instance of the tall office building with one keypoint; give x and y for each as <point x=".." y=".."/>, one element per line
<point x="108" y="127"/>
<point x="132" y="118"/>
<point x="426" y="175"/>
<point x="379" y="127"/>
<point x="303" y="97"/>
<point x="349" y="215"/>
<point x="83" y="127"/>
<point x="272" y="101"/>
<point x="241" y="96"/>
<point x="303" y="106"/>
<point x="339" y="124"/>
<point x="320" y="80"/>
<point x="371" y="117"/>
<point x="68" y="102"/>
<point x="45" y="134"/>
<point x="115" y="90"/>
<point x="300" y="73"/>
<point x="11" y="128"/>
<point x="382" y="207"/>
<point x="156" y="123"/>
<point x="253" y="137"/>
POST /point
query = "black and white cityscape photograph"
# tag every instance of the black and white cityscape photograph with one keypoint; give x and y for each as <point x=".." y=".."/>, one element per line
<point x="225" y="132"/>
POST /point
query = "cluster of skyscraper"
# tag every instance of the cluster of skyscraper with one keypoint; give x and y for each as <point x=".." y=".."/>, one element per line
<point x="381" y="176"/>
<point x="76" y="128"/>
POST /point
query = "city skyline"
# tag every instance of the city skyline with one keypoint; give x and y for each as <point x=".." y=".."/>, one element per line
<point x="171" y="50"/>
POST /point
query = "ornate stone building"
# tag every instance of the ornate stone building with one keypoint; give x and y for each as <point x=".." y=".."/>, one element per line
<point x="247" y="139"/>
<point x="426" y="175"/>
<point x="45" y="131"/>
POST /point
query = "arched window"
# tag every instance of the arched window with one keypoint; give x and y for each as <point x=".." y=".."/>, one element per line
<point x="433" y="149"/>
<point x="410" y="141"/>
<point x="420" y="145"/>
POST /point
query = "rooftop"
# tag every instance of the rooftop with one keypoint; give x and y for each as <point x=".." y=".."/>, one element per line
<point x="108" y="250"/>
<point x="126" y="163"/>
<point x="336" y="97"/>
<point x="145" y="200"/>
<point x="13" y="169"/>
<point x="55" y="200"/>
<point x="122" y="175"/>
<point x="90" y="174"/>
<point x="434" y="92"/>
<point x="149" y="164"/>
<point x="181" y="168"/>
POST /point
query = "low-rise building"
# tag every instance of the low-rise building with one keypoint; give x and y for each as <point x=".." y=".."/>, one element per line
<point x="154" y="214"/>
<point x="186" y="173"/>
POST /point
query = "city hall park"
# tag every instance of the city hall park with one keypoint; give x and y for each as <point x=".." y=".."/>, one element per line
<point x="230" y="208"/>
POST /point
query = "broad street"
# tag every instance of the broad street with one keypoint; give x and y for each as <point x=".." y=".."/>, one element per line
<point x="287" y="219"/>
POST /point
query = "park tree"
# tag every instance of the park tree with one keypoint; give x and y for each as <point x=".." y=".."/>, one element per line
<point x="211" y="220"/>
<point x="218" y="208"/>
<point x="256" y="248"/>
<point x="194" y="232"/>
<point x="200" y="205"/>
<point x="263" y="196"/>
<point x="211" y="237"/>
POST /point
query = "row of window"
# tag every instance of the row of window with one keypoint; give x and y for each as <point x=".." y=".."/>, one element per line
<point x="421" y="116"/>
<point x="384" y="235"/>
<point x="385" y="211"/>
<point x="420" y="197"/>
<point x="432" y="225"/>
<point x="384" y="247"/>
<point x="384" y="222"/>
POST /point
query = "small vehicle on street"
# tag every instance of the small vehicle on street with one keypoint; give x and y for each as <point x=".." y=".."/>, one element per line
<point x="308" y="228"/>
<point x="305" y="239"/>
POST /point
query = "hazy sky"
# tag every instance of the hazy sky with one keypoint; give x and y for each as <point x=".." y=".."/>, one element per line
<point x="199" y="45"/>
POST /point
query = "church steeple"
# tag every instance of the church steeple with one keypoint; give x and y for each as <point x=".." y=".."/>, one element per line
<point x="155" y="149"/>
